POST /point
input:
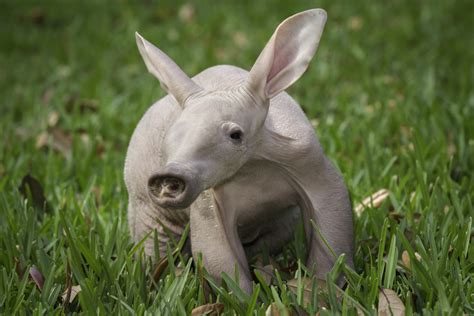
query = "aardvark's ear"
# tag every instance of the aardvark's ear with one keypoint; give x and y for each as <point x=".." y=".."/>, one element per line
<point x="171" y="77"/>
<point x="287" y="54"/>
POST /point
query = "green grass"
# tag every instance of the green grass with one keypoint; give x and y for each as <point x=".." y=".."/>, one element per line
<point x="391" y="91"/>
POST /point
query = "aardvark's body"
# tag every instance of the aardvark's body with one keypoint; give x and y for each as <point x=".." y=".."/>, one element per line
<point x="233" y="154"/>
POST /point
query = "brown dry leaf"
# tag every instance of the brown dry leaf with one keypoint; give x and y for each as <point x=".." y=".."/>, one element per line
<point x="390" y="304"/>
<point x="20" y="270"/>
<point x="355" y="23"/>
<point x="369" y="109"/>
<point x="160" y="267"/>
<point x="41" y="140"/>
<point x="307" y="289"/>
<point x="83" y="105"/>
<point x="259" y="262"/>
<point x="273" y="310"/>
<point x="406" y="259"/>
<point x="373" y="201"/>
<point x="392" y="104"/>
<point x="88" y="105"/>
<point x="53" y="119"/>
<point x="30" y="187"/>
<point x="35" y="16"/>
<point x="395" y="216"/>
<point x="267" y="273"/>
<point x="100" y="150"/>
<point x="61" y="141"/>
<point x="178" y="271"/>
<point x="55" y="139"/>
<point x="172" y="34"/>
<point x="97" y="195"/>
<point x="208" y="309"/>
<point x="47" y="96"/>
<point x="2" y="171"/>
<point x="240" y="39"/>
<point x="37" y="277"/>
<point x="266" y="269"/>
<point x="222" y="54"/>
<point x="186" y="12"/>
<point x="74" y="291"/>
<point x="86" y="140"/>
<point x="314" y="123"/>
<point x="22" y="133"/>
<point x="68" y="291"/>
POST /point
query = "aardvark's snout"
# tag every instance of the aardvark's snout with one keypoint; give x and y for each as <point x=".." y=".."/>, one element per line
<point x="168" y="186"/>
<point x="172" y="187"/>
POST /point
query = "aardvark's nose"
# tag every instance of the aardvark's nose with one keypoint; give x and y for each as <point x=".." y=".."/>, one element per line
<point x="172" y="187"/>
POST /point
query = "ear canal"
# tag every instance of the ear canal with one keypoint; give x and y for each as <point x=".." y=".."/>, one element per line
<point x="288" y="53"/>
<point x="171" y="77"/>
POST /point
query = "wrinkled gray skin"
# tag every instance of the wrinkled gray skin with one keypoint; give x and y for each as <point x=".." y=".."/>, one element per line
<point x="233" y="154"/>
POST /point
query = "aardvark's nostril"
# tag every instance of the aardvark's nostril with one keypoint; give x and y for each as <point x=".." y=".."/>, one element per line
<point x="167" y="186"/>
<point x="172" y="186"/>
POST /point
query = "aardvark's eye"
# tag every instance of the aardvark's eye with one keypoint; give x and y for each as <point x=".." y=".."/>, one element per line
<point x="234" y="132"/>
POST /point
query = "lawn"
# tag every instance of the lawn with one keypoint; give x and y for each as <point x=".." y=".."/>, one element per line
<point x="390" y="93"/>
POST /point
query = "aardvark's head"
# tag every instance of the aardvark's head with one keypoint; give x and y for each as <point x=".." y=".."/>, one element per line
<point x="215" y="133"/>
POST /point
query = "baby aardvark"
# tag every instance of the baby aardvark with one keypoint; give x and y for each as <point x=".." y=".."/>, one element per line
<point x="231" y="153"/>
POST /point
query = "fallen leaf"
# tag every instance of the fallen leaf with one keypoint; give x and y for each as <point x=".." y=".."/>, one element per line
<point x="373" y="201"/>
<point x="172" y="34"/>
<point x="240" y="39"/>
<point x="55" y="139"/>
<point x="267" y="273"/>
<point x="369" y="109"/>
<point x="36" y="16"/>
<point x="72" y="293"/>
<point x="53" y="119"/>
<point x="355" y="23"/>
<point x="390" y="304"/>
<point x="68" y="291"/>
<point x="84" y="105"/>
<point x="37" y="277"/>
<point x="22" y="133"/>
<point x="406" y="259"/>
<point x="307" y="289"/>
<point x="47" y="96"/>
<point x="208" y="309"/>
<point x="86" y="140"/>
<point x="221" y="54"/>
<point x="395" y="216"/>
<point x="20" y="270"/>
<point x="186" y="12"/>
<point x="88" y="105"/>
<point x="160" y="267"/>
<point x="61" y="141"/>
<point x="273" y="310"/>
<point x="392" y="104"/>
<point x="41" y="140"/>
<point x="258" y="261"/>
<point x="314" y="123"/>
<point x="178" y="271"/>
<point x="32" y="190"/>
<point x="97" y="195"/>
<point x="100" y="150"/>
<point x="2" y="171"/>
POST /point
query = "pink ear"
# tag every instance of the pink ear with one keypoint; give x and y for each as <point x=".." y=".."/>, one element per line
<point x="288" y="53"/>
<point x="171" y="77"/>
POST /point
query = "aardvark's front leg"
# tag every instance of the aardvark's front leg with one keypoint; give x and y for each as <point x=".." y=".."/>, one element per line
<point x="325" y="200"/>
<point x="216" y="239"/>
